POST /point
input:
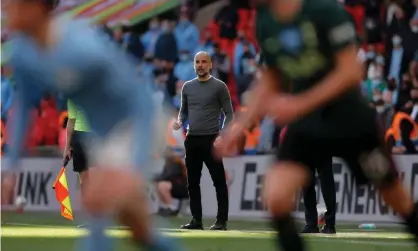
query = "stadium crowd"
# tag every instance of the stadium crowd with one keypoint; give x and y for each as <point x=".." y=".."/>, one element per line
<point x="388" y="32"/>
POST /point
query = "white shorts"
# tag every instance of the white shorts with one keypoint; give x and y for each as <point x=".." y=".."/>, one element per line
<point x="116" y="150"/>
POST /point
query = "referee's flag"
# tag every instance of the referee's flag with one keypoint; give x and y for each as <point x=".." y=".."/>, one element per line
<point x="62" y="193"/>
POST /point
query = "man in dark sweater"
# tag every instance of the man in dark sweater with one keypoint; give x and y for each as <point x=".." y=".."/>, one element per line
<point x="203" y="99"/>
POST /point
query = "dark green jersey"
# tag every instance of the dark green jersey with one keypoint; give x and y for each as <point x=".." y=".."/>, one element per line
<point x="303" y="52"/>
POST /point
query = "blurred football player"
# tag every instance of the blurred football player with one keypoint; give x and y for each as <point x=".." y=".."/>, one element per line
<point x="311" y="83"/>
<point x="80" y="63"/>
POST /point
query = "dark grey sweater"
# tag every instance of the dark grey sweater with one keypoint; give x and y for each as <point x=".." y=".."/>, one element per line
<point x="202" y="104"/>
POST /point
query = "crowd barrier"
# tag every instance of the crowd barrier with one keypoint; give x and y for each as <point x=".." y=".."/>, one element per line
<point x="354" y="203"/>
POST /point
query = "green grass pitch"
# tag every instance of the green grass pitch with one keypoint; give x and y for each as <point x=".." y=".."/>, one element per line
<point x="27" y="233"/>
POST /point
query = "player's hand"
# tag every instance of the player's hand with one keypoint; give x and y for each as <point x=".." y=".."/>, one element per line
<point x="285" y="108"/>
<point x="67" y="154"/>
<point x="177" y="125"/>
<point x="228" y="145"/>
<point x="8" y="182"/>
<point x="217" y="141"/>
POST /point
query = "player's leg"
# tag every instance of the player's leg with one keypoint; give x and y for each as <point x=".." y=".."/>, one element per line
<point x="80" y="163"/>
<point x="217" y="173"/>
<point x="79" y="155"/>
<point x="309" y="200"/>
<point x="370" y="161"/>
<point x="326" y="179"/>
<point x="283" y="182"/>
<point x="116" y="188"/>
<point x="194" y="166"/>
<point x="165" y="194"/>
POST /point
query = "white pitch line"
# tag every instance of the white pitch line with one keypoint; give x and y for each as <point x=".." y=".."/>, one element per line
<point x="365" y="242"/>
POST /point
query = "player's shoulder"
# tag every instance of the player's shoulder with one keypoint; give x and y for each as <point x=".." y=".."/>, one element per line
<point x="82" y="38"/>
<point x="190" y="82"/>
<point x="20" y="44"/>
<point x="219" y="83"/>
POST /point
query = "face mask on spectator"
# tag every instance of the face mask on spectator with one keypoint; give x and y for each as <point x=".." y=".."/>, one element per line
<point x="370" y="55"/>
<point x="184" y="20"/>
<point x="396" y="40"/>
<point x="377" y="97"/>
<point x="380" y="109"/>
<point x="153" y="25"/>
<point x="241" y="36"/>
<point x="380" y="60"/>
<point x="184" y="57"/>
<point x="414" y="28"/>
<point x="165" y="27"/>
<point x="251" y="69"/>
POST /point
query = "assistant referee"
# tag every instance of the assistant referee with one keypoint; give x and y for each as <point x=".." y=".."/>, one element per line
<point x="203" y="100"/>
<point x="78" y="134"/>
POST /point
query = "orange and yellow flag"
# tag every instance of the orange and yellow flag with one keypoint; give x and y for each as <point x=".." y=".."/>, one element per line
<point x="63" y="195"/>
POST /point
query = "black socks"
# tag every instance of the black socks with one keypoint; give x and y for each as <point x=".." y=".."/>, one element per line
<point x="288" y="236"/>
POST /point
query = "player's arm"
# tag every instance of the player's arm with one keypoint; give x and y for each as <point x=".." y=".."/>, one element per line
<point x="72" y="111"/>
<point x="348" y="71"/>
<point x="26" y="95"/>
<point x="184" y="111"/>
<point x="226" y="103"/>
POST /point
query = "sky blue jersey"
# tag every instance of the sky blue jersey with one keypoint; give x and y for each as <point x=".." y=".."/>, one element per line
<point x="94" y="73"/>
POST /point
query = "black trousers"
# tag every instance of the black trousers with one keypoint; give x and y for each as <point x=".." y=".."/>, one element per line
<point x="199" y="150"/>
<point x="326" y="179"/>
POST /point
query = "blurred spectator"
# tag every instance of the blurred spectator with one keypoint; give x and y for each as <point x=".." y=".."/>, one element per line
<point x="396" y="58"/>
<point x="147" y="66"/>
<point x="6" y="95"/>
<point x="240" y="48"/>
<point x="414" y="19"/>
<point x="251" y="138"/>
<point x="132" y="43"/>
<point x="373" y="26"/>
<point x="171" y="183"/>
<point x="184" y="70"/>
<point x="404" y="95"/>
<point x="118" y="34"/>
<point x="374" y="84"/>
<point x="413" y="70"/>
<point x="221" y="64"/>
<point x="405" y="130"/>
<point x="206" y="44"/>
<point x="265" y="143"/>
<point x="414" y="98"/>
<point x="247" y="69"/>
<point x="227" y="19"/>
<point x="149" y="39"/>
<point x="394" y="18"/>
<point x="172" y="80"/>
<point x="187" y="33"/>
<point x="107" y="30"/>
<point x="166" y="46"/>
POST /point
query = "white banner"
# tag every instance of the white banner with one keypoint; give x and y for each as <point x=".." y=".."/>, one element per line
<point x="38" y="175"/>
<point x="35" y="183"/>
<point x="354" y="203"/>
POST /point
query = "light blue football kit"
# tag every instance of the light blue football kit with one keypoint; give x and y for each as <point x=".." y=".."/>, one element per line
<point x="98" y="77"/>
